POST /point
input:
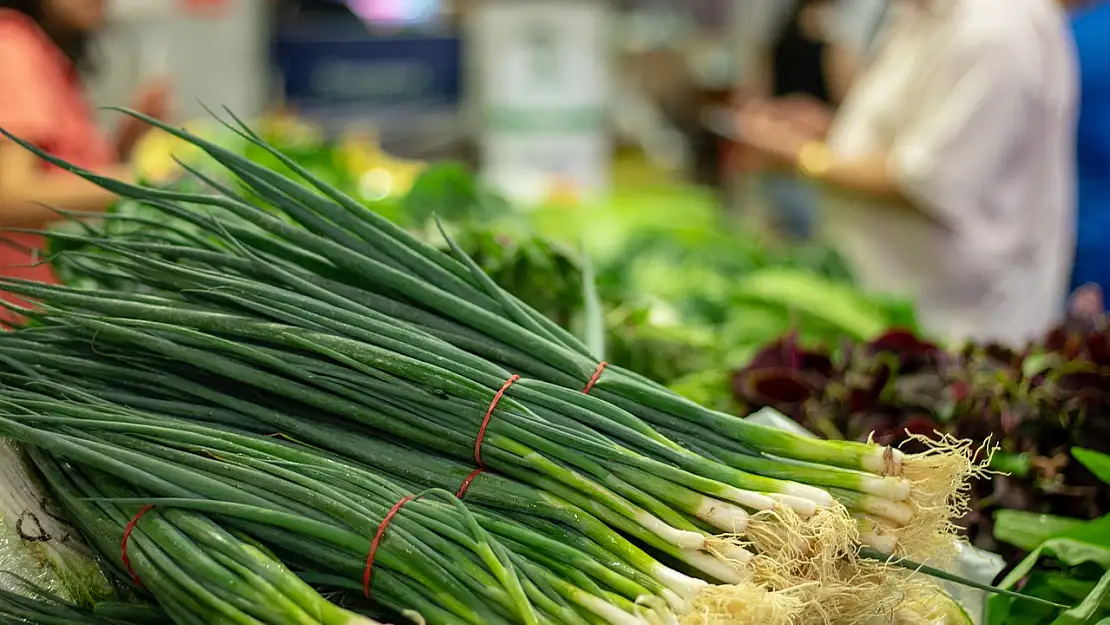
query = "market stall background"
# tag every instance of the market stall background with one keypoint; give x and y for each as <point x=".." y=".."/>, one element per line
<point x="706" y="305"/>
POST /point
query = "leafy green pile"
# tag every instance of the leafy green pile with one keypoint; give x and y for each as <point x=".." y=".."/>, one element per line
<point x="689" y="294"/>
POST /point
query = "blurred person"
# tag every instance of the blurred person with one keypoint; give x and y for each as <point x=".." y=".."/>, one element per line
<point x="1091" y="28"/>
<point x="807" y="65"/>
<point x="950" y="164"/>
<point x="44" y="47"/>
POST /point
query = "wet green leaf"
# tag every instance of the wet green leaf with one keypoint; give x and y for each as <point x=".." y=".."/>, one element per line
<point x="1027" y="530"/>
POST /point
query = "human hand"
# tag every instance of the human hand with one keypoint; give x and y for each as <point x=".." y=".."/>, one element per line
<point x="807" y="112"/>
<point x="773" y="132"/>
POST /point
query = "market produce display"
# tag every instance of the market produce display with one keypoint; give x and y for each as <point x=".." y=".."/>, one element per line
<point x="254" y="412"/>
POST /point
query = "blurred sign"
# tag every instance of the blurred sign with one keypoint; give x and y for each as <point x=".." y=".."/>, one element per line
<point x="366" y="78"/>
<point x="544" y="86"/>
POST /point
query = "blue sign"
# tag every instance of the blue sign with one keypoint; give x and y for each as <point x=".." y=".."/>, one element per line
<point x="371" y="72"/>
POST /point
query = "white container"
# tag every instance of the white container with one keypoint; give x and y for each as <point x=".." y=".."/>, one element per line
<point x="541" y="75"/>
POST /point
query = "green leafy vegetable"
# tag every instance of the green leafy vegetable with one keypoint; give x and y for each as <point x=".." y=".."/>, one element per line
<point x="1078" y="548"/>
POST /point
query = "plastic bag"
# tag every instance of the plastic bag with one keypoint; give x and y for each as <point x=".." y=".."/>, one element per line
<point x="37" y="544"/>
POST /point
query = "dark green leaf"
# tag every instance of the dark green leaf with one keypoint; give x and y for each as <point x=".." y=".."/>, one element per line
<point x="1090" y="608"/>
<point x="1003" y="610"/>
<point x="1097" y="463"/>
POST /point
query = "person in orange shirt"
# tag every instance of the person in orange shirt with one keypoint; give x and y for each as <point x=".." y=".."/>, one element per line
<point x="44" y="48"/>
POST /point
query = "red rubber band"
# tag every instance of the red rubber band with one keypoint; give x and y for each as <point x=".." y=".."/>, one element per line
<point x="466" y="483"/>
<point x="595" y="377"/>
<point x="377" y="541"/>
<point x="485" y="421"/>
<point x="130" y="527"/>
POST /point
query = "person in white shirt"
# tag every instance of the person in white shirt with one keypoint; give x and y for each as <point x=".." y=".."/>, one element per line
<point x="950" y="164"/>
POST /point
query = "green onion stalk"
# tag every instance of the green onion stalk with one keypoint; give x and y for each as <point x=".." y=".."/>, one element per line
<point x="861" y="492"/>
<point x="36" y="604"/>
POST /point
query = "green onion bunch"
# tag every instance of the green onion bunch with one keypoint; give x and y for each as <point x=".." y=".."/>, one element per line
<point x="428" y="406"/>
<point x="287" y="308"/>
<point x="274" y="432"/>
<point x="313" y="510"/>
